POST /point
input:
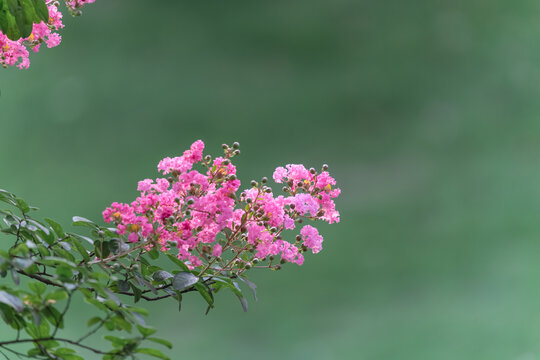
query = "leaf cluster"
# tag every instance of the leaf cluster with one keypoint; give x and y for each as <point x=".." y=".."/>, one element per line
<point x="49" y="267"/>
<point x="17" y="17"/>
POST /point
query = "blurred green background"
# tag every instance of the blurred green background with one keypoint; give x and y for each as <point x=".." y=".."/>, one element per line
<point x="426" y="111"/>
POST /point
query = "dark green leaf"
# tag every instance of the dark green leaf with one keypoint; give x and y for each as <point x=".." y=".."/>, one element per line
<point x="205" y="294"/>
<point x="184" y="280"/>
<point x="251" y="285"/>
<point x="162" y="275"/>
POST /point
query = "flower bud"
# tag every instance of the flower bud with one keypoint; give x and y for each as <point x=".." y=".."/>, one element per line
<point x="282" y="261"/>
<point x="312" y="171"/>
<point x="254" y="183"/>
<point x="226" y="162"/>
<point x="207" y="158"/>
<point x="190" y="202"/>
<point x="264" y="180"/>
<point x="285" y="189"/>
<point x="325" y="167"/>
<point x="236" y="145"/>
<point x="249" y="200"/>
<point x="225" y="146"/>
<point x="232" y="177"/>
<point x="298" y="237"/>
<point x="236" y="152"/>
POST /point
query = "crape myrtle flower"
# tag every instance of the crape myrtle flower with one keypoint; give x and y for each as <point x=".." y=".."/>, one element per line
<point x="196" y="211"/>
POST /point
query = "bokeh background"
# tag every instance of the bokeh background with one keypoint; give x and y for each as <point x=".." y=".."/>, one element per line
<point x="426" y="111"/>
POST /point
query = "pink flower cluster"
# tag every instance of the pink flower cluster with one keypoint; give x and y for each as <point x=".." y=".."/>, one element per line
<point x="201" y="214"/>
<point x="16" y="52"/>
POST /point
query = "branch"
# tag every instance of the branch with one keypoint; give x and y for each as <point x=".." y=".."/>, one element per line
<point x="72" y="342"/>
<point x="39" y="278"/>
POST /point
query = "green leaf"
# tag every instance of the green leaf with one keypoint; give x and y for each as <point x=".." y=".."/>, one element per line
<point x="93" y="321"/>
<point x="72" y="357"/>
<point x="116" y="341"/>
<point x="53" y="316"/>
<point x="8" y="25"/>
<point x="85" y="238"/>
<point x="161" y="341"/>
<point x="178" y="262"/>
<point x="15" y="277"/>
<point x="37" y="287"/>
<point x="205" y="294"/>
<point x="121" y="323"/>
<point x="80" y="248"/>
<point x="41" y="10"/>
<point x="244" y="303"/>
<point x="161" y="275"/>
<point x="57" y="295"/>
<point x="122" y="285"/>
<point x="184" y="280"/>
<point x="138" y="310"/>
<point x="80" y="221"/>
<point x="152" y="352"/>
<point x="137" y="292"/>
<point x="146" y="331"/>
<point x="22" y="205"/>
<point x="56" y="227"/>
<point x="154" y="253"/>
<point x="251" y="285"/>
<point x="53" y="260"/>
<point x="43" y="250"/>
<point x="11" y="300"/>
<point x="64" y="351"/>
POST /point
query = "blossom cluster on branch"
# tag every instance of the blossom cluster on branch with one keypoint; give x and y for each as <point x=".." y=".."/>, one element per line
<point x="202" y="215"/>
<point x="16" y="52"/>
<point x="195" y="216"/>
